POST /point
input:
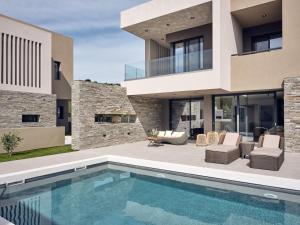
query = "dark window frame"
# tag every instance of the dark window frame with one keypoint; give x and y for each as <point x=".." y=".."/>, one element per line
<point x="275" y="92"/>
<point x="108" y="118"/>
<point x="60" y="112"/>
<point x="186" y="60"/>
<point x="185" y="117"/>
<point x="56" y="73"/>
<point x="30" y="118"/>
<point x="268" y="38"/>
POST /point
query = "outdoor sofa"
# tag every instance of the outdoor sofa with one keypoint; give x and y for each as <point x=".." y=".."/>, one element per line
<point x="269" y="154"/>
<point x="172" y="137"/>
<point x="226" y="151"/>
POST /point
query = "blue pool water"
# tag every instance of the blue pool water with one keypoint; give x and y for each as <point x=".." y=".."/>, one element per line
<point x="112" y="197"/>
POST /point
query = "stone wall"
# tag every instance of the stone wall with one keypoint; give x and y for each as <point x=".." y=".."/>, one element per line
<point x="90" y="98"/>
<point x="14" y="104"/>
<point x="292" y="114"/>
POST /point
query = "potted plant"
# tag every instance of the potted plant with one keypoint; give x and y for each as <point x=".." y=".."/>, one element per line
<point x="153" y="133"/>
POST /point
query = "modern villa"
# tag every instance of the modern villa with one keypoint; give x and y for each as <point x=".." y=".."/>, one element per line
<point x="36" y="71"/>
<point x="204" y="131"/>
<point x="218" y="65"/>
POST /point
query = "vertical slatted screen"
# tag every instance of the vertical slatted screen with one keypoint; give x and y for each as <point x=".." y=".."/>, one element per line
<point x="20" y="61"/>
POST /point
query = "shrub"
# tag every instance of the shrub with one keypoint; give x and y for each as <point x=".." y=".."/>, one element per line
<point x="10" y="141"/>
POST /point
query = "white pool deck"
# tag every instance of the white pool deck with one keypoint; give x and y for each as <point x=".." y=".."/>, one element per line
<point x="184" y="159"/>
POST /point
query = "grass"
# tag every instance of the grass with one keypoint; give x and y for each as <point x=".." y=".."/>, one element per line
<point x="35" y="153"/>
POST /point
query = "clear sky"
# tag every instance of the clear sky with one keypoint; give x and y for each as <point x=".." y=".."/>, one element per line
<point x="101" y="48"/>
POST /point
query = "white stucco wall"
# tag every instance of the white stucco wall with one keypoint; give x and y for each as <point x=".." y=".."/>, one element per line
<point x="226" y="41"/>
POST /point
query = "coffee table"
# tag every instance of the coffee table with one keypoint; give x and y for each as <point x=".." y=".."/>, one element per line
<point x="154" y="141"/>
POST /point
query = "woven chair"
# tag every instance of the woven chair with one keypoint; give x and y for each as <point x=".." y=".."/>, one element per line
<point x="201" y="140"/>
<point x="212" y="138"/>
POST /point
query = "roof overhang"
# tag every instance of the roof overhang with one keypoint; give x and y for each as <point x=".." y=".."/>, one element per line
<point x="268" y="12"/>
<point x="154" y="19"/>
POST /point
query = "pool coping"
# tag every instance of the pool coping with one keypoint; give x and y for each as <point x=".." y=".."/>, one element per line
<point x="5" y="222"/>
<point x="287" y="184"/>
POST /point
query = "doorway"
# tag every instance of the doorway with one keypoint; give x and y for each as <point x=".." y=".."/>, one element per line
<point x="187" y="115"/>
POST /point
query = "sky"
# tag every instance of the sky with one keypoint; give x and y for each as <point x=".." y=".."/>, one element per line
<point x="101" y="48"/>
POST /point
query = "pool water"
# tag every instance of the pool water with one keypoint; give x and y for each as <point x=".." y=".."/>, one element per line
<point x="111" y="197"/>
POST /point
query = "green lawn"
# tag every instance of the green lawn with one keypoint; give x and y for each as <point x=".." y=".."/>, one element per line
<point x="35" y="153"/>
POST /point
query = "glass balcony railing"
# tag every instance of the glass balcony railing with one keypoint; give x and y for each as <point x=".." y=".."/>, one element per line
<point x="201" y="60"/>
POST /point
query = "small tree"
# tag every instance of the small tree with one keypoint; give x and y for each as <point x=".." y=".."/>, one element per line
<point x="10" y="141"/>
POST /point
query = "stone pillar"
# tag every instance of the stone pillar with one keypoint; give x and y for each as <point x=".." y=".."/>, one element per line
<point x="292" y="114"/>
<point x="208" y="113"/>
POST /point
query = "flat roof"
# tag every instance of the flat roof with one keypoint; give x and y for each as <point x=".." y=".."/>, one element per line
<point x="32" y="25"/>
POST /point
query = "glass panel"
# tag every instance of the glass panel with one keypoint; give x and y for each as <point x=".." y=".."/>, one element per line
<point x="132" y="118"/>
<point x="124" y="118"/>
<point x="180" y="114"/>
<point x="60" y="112"/>
<point x="30" y="118"/>
<point x="179" y="57"/>
<point x="168" y="65"/>
<point x="197" y="120"/>
<point x="275" y="41"/>
<point x="260" y="44"/>
<point x="193" y="58"/>
<point x="225" y="113"/>
<point x="256" y="114"/>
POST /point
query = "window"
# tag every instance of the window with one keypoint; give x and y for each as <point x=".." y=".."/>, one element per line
<point x="56" y="66"/>
<point x="60" y="112"/>
<point x="267" y="42"/>
<point x="128" y="118"/>
<point x="188" y="55"/>
<point x="132" y="118"/>
<point x="114" y="118"/>
<point x="249" y="113"/>
<point x="102" y="118"/>
<point x="275" y="41"/>
<point x="30" y="118"/>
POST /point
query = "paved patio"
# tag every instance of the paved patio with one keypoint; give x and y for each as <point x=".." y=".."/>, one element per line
<point x="183" y="154"/>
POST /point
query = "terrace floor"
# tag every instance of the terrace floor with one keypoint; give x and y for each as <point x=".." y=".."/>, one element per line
<point x="189" y="154"/>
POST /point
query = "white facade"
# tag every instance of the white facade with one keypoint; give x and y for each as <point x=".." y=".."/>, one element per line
<point x="217" y="78"/>
<point x="25" y="57"/>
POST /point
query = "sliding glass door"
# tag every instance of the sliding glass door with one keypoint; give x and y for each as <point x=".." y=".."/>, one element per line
<point x="187" y="116"/>
<point x="188" y="55"/>
<point x="248" y="114"/>
<point x="225" y="113"/>
<point x="257" y="111"/>
<point x="179" y="57"/>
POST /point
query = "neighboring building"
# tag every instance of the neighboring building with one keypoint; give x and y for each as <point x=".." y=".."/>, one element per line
<point x="36" y="71"/>
<point x="217" y="64"/>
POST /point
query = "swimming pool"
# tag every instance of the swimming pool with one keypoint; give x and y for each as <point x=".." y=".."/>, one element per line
<point x="106" y="196"/>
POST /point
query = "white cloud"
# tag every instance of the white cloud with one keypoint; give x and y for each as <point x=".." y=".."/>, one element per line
<point x="101" y="49"/>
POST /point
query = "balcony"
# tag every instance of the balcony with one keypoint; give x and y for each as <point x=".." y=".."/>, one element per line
<point x="181" y="63"/>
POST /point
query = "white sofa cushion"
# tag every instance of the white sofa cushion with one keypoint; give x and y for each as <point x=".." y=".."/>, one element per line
<point x="231" y="139"/>
<point x="161" y="133"/>
<point x="168" y="133"/>
<point x="271" y="141"/>
<point x="177" y="134"/>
